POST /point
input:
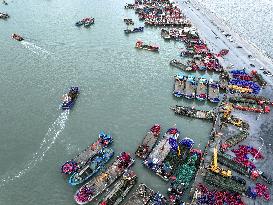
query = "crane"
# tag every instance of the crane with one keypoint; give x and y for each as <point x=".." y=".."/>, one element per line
<point x="214" y="165"/>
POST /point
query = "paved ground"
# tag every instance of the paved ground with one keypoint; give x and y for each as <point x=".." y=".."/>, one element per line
<point x="210" y="28"/>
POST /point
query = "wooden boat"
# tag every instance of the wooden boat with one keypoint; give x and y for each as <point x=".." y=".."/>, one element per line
<point x="89" y="191"/>
<point x="179" y="85"/>
<point x="141" y="196"/>
<point x="70" y="98"/>
<point x="213" y="91"/>
<point x="201" y="89"/>
<point x="148" y="142"/>
<point x="180" y="65"/>
<point x="159" y="153"/>
<point x="165" y="34"/>
<point x="17" y="37"/>
<point x="96" y="164"/>
<point x="80" y="161"/>
<point x="135" y="30"/>
<point x="149" y="47"/>
<point x="194" y="113"/>
<point x="190" y="87"/>
<point x="120" y="189"/>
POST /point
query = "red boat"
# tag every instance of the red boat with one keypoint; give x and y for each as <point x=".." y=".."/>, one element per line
<point x="17" y="37"/>
<point x="140" y="44"/>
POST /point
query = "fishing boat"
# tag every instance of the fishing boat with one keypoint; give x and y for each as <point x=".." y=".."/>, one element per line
<point x="96" y="164"/>
<point x="88" y="22"/>
<point x="141" y="196"/>
<point x="134" y="30"/>
<point x="179" y="85"/>
<point x="69" y="99"/>
<point x="165" y="34"/>
<point x="201" y="89"/>
<point x="17" y="37"/>
<point x="213" y="91"/>
<point x="129" y="21"/>
<point x="149" y="47"/>
<point x="120" y="189"/>
<point x="190" y="87"/>
<point x="4" y="15"/>
<point x="194" y="113"/>
<point x="148" y="142"/>
<point x="158" y="199"/>
<point x="159" y="153"/>
<point x="96" y="186"/>
<point x="180" y="65"/>
<point x="80" y="161"/>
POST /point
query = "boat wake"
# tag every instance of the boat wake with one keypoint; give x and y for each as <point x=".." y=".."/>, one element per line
<point x="50" y="138"/>
<point x="35" y="49"/>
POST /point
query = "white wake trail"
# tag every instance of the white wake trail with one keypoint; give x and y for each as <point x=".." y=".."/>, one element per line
<point x="50" y="138"/>
<point x="35" y="49"/>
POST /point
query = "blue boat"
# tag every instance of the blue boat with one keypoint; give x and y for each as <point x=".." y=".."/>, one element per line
<point x="70" y="98"/>
<point x="135" y="30"/>
<point x="95" y="165"/>
<point x="213" y="91"/>
<point x="190" y="87"/>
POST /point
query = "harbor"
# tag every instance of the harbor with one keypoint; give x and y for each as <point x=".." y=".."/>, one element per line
<point x="212" y="154"/>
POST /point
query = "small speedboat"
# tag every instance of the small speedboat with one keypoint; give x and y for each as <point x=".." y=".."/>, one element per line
<point x="4" y="15"/>
<point x="70" y="98"/>
<point x="96" y="164"/>
<point x="17" y="37"/>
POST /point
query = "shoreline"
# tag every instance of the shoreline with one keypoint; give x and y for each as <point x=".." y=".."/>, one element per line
<point x="253" y="48"/>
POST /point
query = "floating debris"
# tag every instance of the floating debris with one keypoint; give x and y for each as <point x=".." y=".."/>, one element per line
<point x="78" y="162"/>
<point x="120" y="189"/>
<point x="148" y="142"/>
<point x="96" y="186"/>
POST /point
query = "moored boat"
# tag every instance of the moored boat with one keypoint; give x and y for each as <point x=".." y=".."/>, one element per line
<point x="148" y="142"/>
<point x="70" y="98"/>
<point x="179" y="85"/>
<point x="213" y="91"/>
<point x="190" y="87"/>
<point x="120" y="189"/>
<point x="149" y="47"/>
<point x="96" y="164"/>
<point x="141" y="196"/>
<point x="83" y="158"/>
<point x="96" y="186"/>
<point x="134" y="30"/>
<point x="17" y="37"/>
<point x="159" y="153"/>
<point x="165" y="34"/>
<point x="201" y="89"/>
<point x="180" y="65"/>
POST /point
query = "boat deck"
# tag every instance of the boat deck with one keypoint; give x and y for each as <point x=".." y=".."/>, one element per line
<point x="213" y="91"/>
<point x="194" y="113"/>
<point x="147" y="145"/>
<point x="141" y="196"/>
<point x="179" y="85"/>
<point x="121" y="189"/>
<point x="201" y="89"/>
<point x="190" y="88"/>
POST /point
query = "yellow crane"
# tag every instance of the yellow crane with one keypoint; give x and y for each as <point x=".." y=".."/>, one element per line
<point x="214" y="165"/>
